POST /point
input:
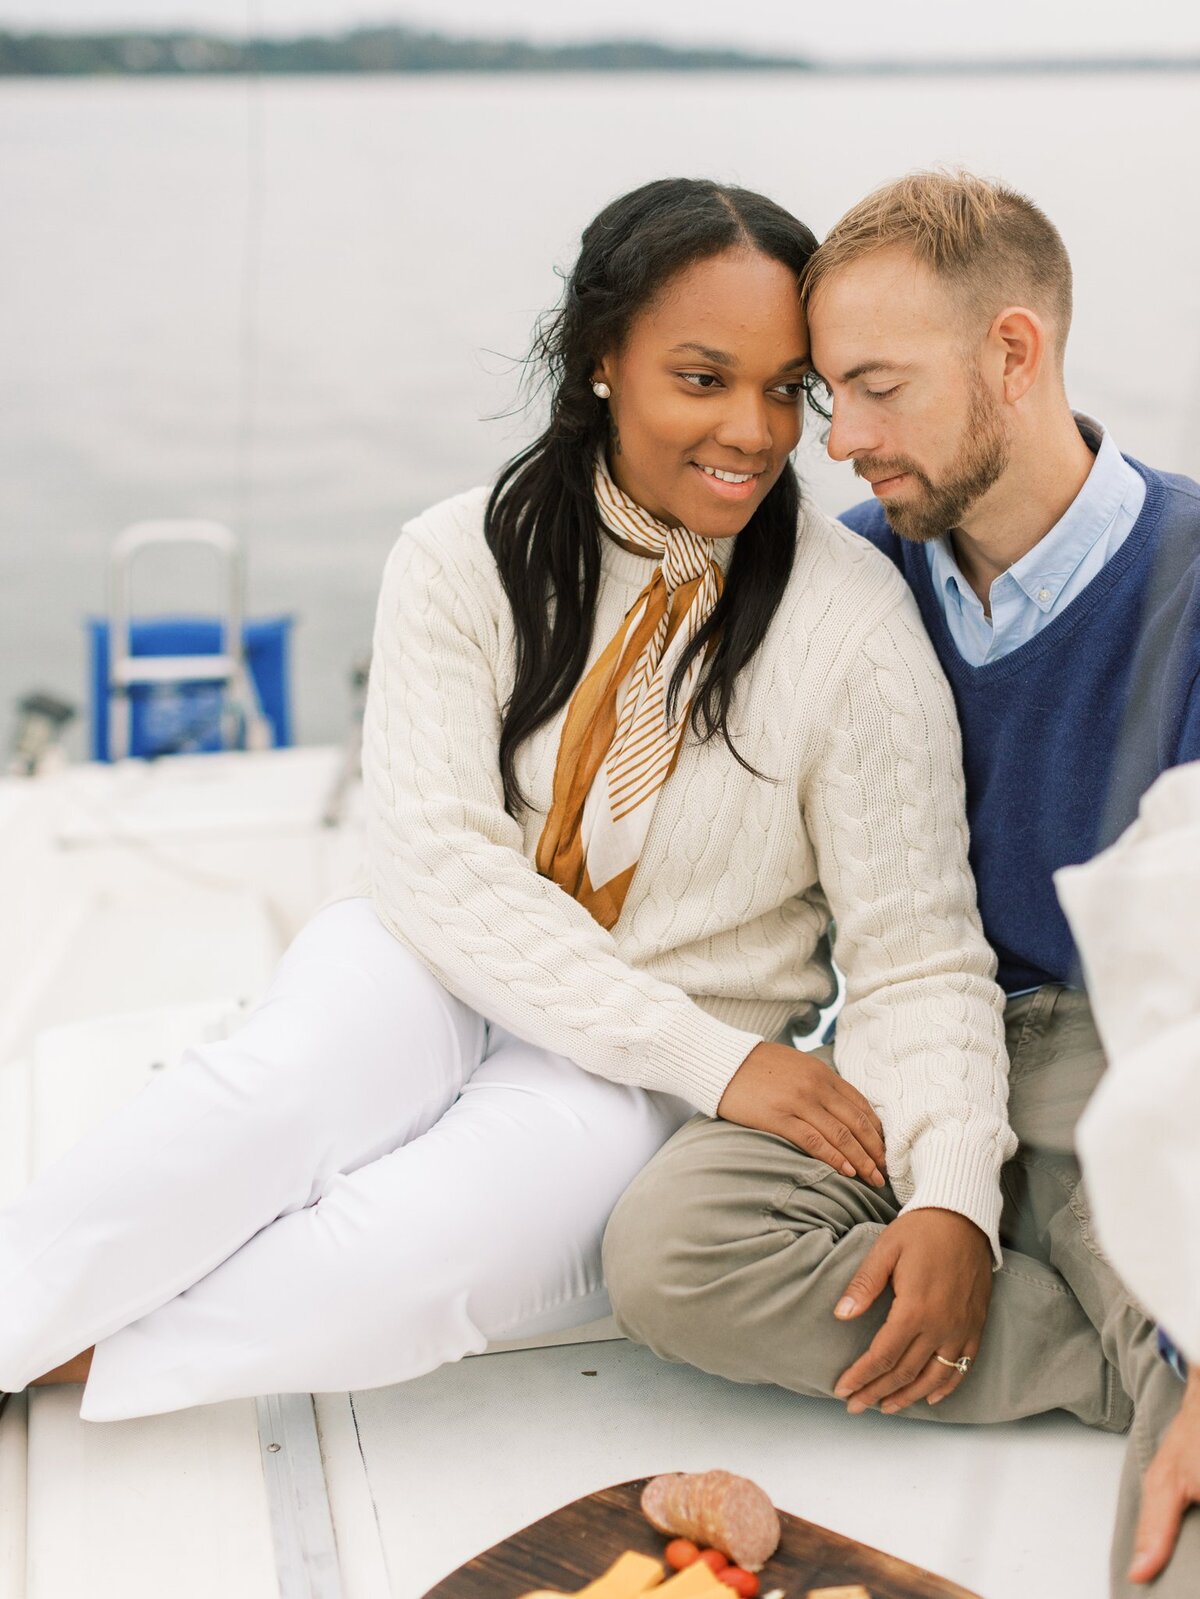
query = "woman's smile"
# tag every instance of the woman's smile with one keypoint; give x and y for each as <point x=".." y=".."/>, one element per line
<point x="728" y="485"/>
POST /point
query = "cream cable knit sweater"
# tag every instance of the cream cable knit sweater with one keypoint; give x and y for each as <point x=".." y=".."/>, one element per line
<point x="722" y="937"/>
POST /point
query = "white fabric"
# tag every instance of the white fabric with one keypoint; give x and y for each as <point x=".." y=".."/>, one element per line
<point x="722" y="937"/>
<point x="364" y="1182"/>
<point x="1135" y="913"/>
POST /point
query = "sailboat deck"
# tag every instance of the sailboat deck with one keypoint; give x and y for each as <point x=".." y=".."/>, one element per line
<point x="422" y="1476"/>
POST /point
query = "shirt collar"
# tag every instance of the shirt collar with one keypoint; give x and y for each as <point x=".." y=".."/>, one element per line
<point x="1043" y="571"/>
<point x="946" y="574"/>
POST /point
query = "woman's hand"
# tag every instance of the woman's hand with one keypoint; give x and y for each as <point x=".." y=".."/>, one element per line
<point x="940" y="1267"/>
<point x="783" y="1091"/>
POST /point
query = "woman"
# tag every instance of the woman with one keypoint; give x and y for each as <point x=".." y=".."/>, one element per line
<point x="637" y="722"/>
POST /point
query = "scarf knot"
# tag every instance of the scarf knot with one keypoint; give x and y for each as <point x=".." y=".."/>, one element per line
<point x="619" y="742"/>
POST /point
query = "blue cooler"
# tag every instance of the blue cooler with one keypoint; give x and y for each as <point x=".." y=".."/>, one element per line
<point x="174" y="685"/>
<point x="176" y="718"/>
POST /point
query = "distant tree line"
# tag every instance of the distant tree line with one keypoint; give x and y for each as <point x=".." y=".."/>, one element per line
<point x="390" y="49"/>
<point x="188" y="53"/>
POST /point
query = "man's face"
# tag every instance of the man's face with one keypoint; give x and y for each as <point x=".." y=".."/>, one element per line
<point x="911" y="407"/>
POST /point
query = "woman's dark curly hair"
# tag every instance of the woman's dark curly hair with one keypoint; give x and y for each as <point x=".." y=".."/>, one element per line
<point x="542" y="524"/>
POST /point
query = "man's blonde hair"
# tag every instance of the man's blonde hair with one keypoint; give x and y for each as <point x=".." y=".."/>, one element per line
<point x="991" y="246"/>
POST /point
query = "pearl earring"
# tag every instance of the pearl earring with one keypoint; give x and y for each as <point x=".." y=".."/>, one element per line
<point x="601" y="390"/>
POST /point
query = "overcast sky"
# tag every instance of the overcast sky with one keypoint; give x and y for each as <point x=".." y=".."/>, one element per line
<point x="822" y="27"/>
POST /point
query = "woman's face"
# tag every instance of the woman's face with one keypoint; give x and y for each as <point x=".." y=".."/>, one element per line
<point x="709" y="380"/>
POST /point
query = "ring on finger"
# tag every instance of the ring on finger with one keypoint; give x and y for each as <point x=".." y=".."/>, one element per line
<point x="962" y="1365"/>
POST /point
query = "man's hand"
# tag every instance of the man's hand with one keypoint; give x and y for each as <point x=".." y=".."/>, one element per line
<point x="1171" y="1484"/>
<point x="783" y="1091"/>
<point x="940" y="1268"/>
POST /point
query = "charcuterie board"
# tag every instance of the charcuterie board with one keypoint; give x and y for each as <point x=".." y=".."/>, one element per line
<point x="577" y="1543"/>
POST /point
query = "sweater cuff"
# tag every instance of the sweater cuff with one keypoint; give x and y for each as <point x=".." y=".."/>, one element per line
<point x="696" y="1058"/>
<point x="952" y="1171"/>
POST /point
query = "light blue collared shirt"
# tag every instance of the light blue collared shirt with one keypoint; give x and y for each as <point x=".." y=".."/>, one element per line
<point x="1041" y="585"/>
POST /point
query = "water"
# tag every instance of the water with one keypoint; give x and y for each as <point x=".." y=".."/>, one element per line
<point x="294" y="306"/>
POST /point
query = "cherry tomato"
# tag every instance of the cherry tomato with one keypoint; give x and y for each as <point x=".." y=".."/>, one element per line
<point x="681" y="1552"/>
<point x="713" y="1559"/>
<point x="742" y="1582"/>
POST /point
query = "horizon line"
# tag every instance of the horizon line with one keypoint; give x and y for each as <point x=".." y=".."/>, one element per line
<point x="475" y="53"/>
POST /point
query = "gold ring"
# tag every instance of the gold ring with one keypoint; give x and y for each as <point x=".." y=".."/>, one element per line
<point x="962" y="1365"/>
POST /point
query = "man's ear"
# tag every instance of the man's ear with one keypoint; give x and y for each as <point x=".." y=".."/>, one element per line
<point x="1019" y="338"/>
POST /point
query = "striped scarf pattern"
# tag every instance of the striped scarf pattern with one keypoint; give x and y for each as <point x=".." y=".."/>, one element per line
<point x="618" y="745"/>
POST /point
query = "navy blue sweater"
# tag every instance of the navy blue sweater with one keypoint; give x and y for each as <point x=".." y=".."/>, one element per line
<point x="1062" y="736"/>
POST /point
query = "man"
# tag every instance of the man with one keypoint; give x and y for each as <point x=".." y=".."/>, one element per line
<point x="1059" y="583"/>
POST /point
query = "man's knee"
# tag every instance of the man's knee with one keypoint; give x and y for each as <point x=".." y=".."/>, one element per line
<point x="698" y="1236"/>
<point x="642" y="1252"/>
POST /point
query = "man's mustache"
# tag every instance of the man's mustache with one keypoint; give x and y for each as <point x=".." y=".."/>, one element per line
<point x="876" y="467"/>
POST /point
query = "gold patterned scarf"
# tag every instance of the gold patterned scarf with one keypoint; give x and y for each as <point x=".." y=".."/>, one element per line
<point x="618" y="746"/>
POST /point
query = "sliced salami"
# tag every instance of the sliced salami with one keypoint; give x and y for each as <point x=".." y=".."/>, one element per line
<point x="716" y="1509"/>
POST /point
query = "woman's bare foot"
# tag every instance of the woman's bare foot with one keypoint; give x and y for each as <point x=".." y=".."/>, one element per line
<point x="70" y="1371"/>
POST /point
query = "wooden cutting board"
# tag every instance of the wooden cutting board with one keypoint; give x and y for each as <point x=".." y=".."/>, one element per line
<point x="579" y="1542"/>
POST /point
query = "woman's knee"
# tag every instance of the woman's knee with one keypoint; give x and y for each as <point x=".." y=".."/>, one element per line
<point x="349" y="1000"/>
<point x="345" y="951"/>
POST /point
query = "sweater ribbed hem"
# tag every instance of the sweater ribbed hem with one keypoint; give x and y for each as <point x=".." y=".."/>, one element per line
<point x="953" y="1170"/>
<point x="770" y="1018"/>
<point x="697" y="1058"/>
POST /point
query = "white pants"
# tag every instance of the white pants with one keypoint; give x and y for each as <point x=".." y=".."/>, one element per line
<point x="365" y="1181"/>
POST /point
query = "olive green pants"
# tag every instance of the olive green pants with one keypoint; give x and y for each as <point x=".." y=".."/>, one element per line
<point x="731" y="1248"/>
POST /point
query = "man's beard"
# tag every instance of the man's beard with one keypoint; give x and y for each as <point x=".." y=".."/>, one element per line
<point x="940" y="507"/>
